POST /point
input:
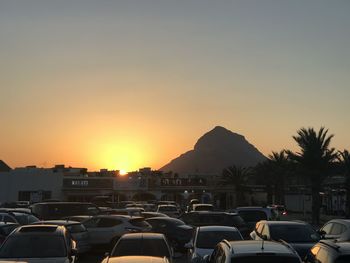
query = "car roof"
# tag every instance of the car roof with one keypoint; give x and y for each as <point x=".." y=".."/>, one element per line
<point x="216" y="228"/>
<point x="143" y="236"/>
<point x="257" y="246"/>
<point x="283" y="222"/>
<point x="59" y="222"/>
<point x="137" y="259"/>
<point x="340" y="220"/>
<point x="39" y="230"/>
<point x="211" y="212"/>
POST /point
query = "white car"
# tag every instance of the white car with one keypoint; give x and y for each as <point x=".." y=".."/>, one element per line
<point x="107" y="229"/>
<point x="38" y="243"/>
<point x="207" y="237"/>
<point x="141" y="244"/>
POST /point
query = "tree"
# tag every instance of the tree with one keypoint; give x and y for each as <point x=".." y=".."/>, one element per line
<point x="237" y="176"/>
<point x="344" y="159"/>
<point x="279" y="164"/>
<point x="263" y="176"/>
<point x="315" y="159"/>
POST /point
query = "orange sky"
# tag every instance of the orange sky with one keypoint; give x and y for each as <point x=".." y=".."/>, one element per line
<point x="123" y="85"/>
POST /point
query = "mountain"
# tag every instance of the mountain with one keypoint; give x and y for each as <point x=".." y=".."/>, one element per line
<point x="214" y="151"/>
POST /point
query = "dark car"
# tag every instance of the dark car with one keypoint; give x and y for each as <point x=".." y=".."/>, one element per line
<point x="299" y="234"/>
<point x="330" y="252"/>
<point x="152" y="214"/>
<point x="252" y="251"/>
<point x="77" y="231"/>
<point x="210" y="218"/>
<point x="175" y="230"/>
<point x="60" y="210"/>
<point x="6" y="229"/>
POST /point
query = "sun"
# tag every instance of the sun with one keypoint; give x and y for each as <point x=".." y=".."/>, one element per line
<point x="122" y="172"/>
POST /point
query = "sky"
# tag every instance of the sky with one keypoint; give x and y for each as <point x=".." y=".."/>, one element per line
<point x="129" y="84"/>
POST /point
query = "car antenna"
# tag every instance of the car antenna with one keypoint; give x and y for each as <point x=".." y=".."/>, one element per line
<point x="262" y="244"/>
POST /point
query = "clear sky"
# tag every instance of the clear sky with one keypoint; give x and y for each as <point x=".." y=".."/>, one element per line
<point x="127" y="84"/>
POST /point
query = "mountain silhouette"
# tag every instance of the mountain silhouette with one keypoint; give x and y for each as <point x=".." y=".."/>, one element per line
<point x="214" y="151"/>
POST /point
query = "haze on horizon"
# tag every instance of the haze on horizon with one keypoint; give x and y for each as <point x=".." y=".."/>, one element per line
<point x="128" y="84"/>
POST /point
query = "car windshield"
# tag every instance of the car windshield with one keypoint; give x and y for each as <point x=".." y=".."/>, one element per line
<point x="141" y="247"/>
<point x="294" y="233"/>
<point x="204" y="208"/>
<point x="167" y="208"/>
<point x="265" y="259"/>
<point x="33" y="247"/>
<point x="209" y="239"/>
<point x="25" y="219"/>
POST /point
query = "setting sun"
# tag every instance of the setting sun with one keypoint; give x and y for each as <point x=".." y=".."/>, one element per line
<point x="123" y="172"/>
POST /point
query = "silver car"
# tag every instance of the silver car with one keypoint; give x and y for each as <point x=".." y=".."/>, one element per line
<point x="38" y="243"/>
<point x="338" y="229"/>
<point x="207" y="237"/>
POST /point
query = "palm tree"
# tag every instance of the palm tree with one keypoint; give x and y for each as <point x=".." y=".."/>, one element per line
<point x="237" y="176"/>
<point x="344" y="158"/>
<point x="315" y="159"/>
<point x="263" y="176"/>
<point x="279" y="163"/>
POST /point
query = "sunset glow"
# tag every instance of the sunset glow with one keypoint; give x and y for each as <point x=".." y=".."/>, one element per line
<point x="122" y="85"/>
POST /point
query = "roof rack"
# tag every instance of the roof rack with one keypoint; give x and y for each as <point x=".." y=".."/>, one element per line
<point x="331" y="244"/>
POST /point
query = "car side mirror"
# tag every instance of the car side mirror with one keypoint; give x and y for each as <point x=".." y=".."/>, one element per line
<point x="74" y="252"/>
<point x="322" y="233"/>
<point x="188" y="245"/>
<point x="206" y="259"/>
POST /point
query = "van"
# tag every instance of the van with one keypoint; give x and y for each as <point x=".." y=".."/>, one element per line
<point x="60" y="210"/>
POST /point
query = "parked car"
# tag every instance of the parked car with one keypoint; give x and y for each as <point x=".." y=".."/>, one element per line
<point x="19" y="215"/>
<point x="299" y="234"/>
<point x="170" y="210"/>
<point x="338" y="229"/>
<point x="251" y="251"/>
<point x="131" y="211"/>
<point x="60" y="210"/>
<point x="77" y="231"/>
<point x="203" y="207"/>
<point x="141" y="244"/>
<point x="210" y="218"/>
<point x="251" y="214"/>
<point x="175" y="230"/>
<point x="207" y="237"/>
<point x="6" y="229"/>
<point x="38" y="243"/>
<point x="80" y="218"/>
<point x="107" y="229"/>
<point x="152" y="214"/>
<point x="329" y="252"/>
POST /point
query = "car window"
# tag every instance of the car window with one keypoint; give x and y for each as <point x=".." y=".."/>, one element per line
<point x="327" y="228"/>
<point x="76" y="228"/>
<point x="139" y="222"/>
<point x="265" y="259"/>
<point x="144" y="247"/>
<point x="109" y="222"/>
<point x="337" y="229"/>
<point x="323" y="256"/>
<point x="343" y="259"/>
<point x="294" y="233"/>
<point x="252" y="216"/>
<point x="237" y="220"/>
<point x="9" y="219"/>
<point x="209" y="239"/>
<point x="91" y="222"/>
<point x="7" y="229"/>
<point x="259" y="229"/>
<point x="34" y="247"/>
<point x="265" y="231"/>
